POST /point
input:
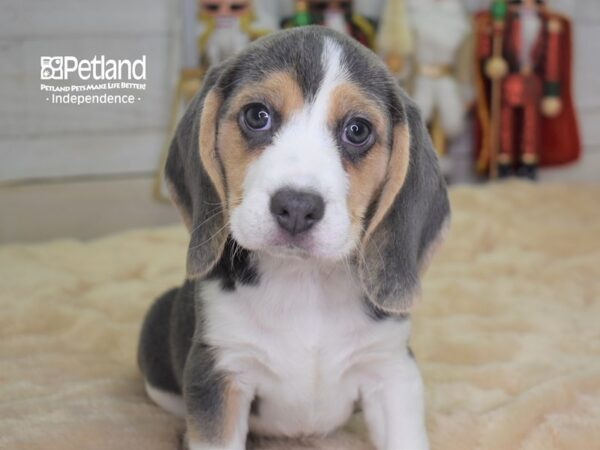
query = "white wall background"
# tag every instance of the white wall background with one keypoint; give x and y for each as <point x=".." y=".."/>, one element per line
<point x="42" y="140"/>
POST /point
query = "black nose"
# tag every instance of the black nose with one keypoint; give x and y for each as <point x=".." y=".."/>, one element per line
<point x="297" y="211"/>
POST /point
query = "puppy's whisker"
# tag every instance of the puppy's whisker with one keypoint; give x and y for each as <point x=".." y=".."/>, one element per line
<point x="361" y="252"/>
<point x="212" y="203"/>
<point x="347" y="266"/>
<point x="236" y="249"/>
<point x="209" y="218"/>
<point x="215" y="234"/>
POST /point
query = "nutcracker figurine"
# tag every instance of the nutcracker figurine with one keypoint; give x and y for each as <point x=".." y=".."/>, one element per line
<point x="525" y="113"/>
<point x="440" y="28"/>
<point x="336" y="14"/>
<point x="226" y="29"/>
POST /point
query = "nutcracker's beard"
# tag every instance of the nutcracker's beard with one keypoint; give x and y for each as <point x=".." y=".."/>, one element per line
<point x="227" y="22"/>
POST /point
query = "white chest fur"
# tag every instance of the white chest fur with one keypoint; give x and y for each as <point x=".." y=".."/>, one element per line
<point x="302" y="343"/>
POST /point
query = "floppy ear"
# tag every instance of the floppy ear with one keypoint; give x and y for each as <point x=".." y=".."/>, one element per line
<point x="195" y="178"/>
<point x="409" y="218"/>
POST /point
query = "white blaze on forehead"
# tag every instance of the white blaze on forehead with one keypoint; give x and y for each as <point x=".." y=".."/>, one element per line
<point x="334" y="74"/>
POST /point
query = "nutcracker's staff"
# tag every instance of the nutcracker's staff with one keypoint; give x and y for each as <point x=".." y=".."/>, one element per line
<point x="496" y="69"/>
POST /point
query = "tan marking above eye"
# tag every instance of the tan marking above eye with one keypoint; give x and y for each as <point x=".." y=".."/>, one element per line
<point x="349" y="98"/>
<point x="368" y="174"/>
<point x="280" y="90"/>
<point x="283" y="94"/>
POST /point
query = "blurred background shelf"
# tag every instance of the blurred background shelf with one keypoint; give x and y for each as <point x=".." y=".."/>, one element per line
<point x="80" y="208"/>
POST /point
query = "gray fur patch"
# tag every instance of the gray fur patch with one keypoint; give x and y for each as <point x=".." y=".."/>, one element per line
<point x="192" y="188"/>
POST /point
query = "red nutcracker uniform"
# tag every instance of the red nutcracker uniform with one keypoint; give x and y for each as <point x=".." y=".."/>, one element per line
<point x="537" y="123"/>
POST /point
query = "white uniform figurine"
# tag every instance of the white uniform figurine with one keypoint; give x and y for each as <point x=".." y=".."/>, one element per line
<point x="226" y="40"/>
<point x="440" y="27"/>
<point x="222" y="32"/>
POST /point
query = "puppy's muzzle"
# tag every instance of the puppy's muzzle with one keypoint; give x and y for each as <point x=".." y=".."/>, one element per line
<point x="297" y="211"/>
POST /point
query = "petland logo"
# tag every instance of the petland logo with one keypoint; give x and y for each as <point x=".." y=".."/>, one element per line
<point x="103" y="76"/>
<point x="98" y="68"/>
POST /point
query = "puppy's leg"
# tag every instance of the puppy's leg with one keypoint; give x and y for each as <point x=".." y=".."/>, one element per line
<point x="374" y="414"/>
<point x="217" y="409"/>
<point x="394" y="410"/>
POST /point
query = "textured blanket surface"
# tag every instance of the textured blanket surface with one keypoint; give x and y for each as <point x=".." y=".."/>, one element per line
<point x="507" y="334"/>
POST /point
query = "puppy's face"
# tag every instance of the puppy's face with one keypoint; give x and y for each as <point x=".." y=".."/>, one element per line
<point x="303" y="164"/>
<point x="300" y="147"/>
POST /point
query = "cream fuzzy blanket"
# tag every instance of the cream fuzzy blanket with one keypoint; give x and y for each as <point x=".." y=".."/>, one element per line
<point x="507" y="334"/>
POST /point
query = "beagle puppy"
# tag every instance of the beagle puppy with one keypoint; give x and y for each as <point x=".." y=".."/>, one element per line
<point x="313" y="200"/>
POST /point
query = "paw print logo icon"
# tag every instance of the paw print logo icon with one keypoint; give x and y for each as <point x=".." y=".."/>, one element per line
<point x="51" y="67"/>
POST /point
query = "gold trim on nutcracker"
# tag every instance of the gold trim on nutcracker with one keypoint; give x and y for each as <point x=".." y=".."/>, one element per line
<point x="481" y="26"/>
<point x="438" y="137"/>
<point x="435" y="70"/>
<point x="555" y="26"/>
<point x="367" y="28"/>
<point x="210" y="27"/>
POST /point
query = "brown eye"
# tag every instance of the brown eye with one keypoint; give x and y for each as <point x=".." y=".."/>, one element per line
<point x="357" y="132"/>
<point x="256" y="117"/>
